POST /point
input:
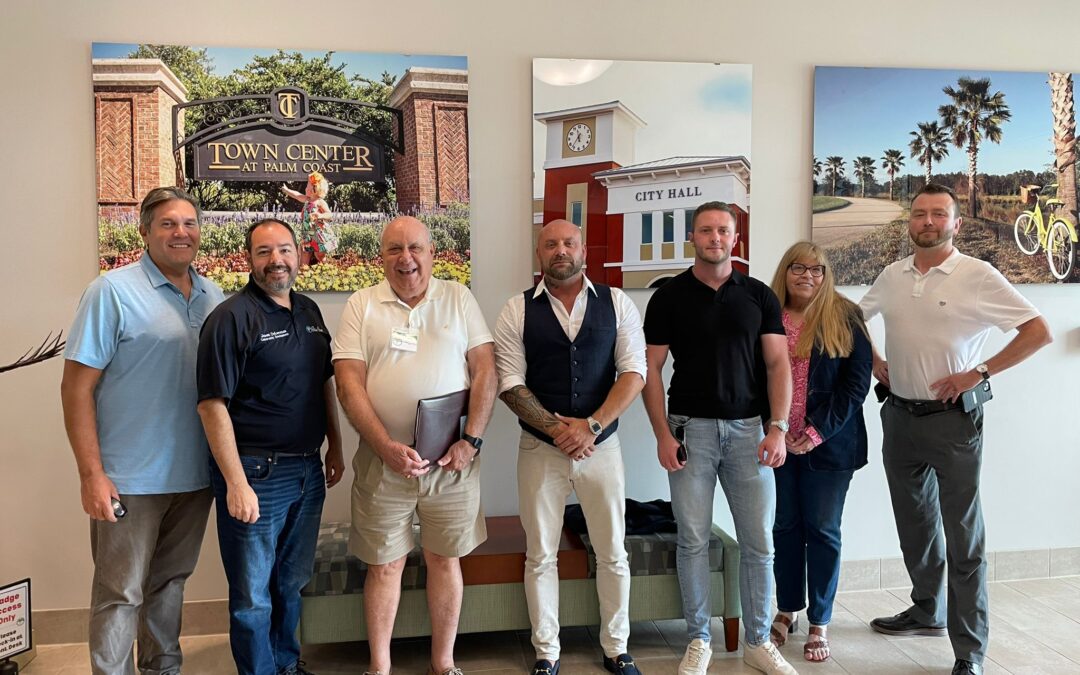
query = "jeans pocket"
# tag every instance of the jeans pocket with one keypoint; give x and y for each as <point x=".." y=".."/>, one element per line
<point x="256" y="468"/>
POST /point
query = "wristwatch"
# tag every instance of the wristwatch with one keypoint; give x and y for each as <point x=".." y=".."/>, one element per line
<point x="473" y="441"/>
<point x="983" y="370"/>
<point x="595" y="427"/>
<point x="782" y="425"/>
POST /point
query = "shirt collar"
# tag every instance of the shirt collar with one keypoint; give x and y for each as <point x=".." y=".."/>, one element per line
<point x="385" y="293"/>
<point x="542" y="287"/>
<point x="947" y="265"/>
<point x="157" y="279"/>
<point x="256" y="293"/>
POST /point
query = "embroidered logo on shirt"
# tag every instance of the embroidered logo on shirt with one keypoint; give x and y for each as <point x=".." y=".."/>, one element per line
<point x="273" y="335"/>
<point x="317" y="329"/>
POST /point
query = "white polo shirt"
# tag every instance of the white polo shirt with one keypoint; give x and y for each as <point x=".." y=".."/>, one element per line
<point x="447" y="322"/>
<point x="937" y="323"/>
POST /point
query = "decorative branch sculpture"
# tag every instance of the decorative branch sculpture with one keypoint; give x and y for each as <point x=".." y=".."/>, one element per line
<point x="52" y="346"/>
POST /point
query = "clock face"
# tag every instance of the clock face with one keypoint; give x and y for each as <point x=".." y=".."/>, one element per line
<point x="579" y="137"/>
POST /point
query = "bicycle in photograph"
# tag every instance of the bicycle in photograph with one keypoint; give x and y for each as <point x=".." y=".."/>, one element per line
<point x="1055" y="234"/>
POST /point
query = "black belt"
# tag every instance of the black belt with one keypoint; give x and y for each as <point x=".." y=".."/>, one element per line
<point x="269" y="454"/>
<point x="920" y="408"/>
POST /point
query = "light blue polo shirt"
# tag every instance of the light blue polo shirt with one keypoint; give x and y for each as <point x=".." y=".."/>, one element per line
<point x="139" y="330"/>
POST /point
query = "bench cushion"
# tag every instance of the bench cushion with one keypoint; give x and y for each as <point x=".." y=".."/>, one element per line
<point x="654" y="554"/>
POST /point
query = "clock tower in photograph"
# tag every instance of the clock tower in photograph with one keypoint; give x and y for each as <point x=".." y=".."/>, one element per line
<point x="582" y="142"/>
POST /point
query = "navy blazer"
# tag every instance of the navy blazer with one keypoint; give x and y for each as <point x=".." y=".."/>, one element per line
<point x="834" y="404"/>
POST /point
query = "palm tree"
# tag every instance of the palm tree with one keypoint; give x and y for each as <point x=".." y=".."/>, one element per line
<point x="817" y="171"/>
<point x="928" y="145"/>
<point x="891" y="161"/>
<point x="864" y="171"/>
<point x="834" y="169"/>
<point x="1061" y="103"/>
<point x="973" y="115"/>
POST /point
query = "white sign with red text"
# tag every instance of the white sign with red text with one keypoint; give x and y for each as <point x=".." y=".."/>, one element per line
<point x="15" y="618"/>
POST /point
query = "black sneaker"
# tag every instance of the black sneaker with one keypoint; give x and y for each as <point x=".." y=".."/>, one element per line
<point x="902" y="624"/>
<point x="297" y="669"/>
<point x="623" y="663"/>
<point x="963" y="667"/>
<point x="544" y="667"/>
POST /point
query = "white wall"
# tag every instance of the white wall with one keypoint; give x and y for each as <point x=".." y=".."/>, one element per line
<point x="1032" y="455"/>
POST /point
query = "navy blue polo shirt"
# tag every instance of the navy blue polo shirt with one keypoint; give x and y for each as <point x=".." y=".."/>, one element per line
<point x="715" y="340"/>
<point x="269" y="363"/>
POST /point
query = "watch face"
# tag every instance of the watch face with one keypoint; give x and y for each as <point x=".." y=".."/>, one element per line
<point x="579" y="137"/>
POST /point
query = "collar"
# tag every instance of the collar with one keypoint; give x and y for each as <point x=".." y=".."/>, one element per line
<point x="737" y="278"/>
<point x="541" y="287"/>
<point x="267" y="303"/>
<point x="947" y="265"/>
<point x="157" y="279"/>
<point x="385" y="293"/>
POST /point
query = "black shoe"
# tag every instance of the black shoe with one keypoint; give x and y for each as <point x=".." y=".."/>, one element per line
<point x="902" y="624"/>
<point x="624" y="664"/>
<point x="963" y="667"/>
<point x="545" y="667"/>
<point x="297" y="669"/>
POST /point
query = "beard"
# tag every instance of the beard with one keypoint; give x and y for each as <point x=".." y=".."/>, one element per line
<point x="564" y="273"/>
<point x="276" y="286"/>
<point x="940" y="237"/>
<point x="712" y="257"/>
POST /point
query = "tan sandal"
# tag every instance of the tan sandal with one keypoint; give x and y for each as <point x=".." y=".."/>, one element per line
<point x="781" y="627"/>
<point x="816" y="648"/>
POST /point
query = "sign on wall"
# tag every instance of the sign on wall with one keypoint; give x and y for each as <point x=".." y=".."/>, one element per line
<point x="15" y="636"/>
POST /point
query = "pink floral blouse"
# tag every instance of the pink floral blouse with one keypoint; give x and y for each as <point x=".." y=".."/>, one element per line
<point x="800" y="376"/>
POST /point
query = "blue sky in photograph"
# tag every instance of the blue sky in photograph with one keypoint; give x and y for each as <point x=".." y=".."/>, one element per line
<point x="864" y="111"/>
<point x="369" y="65"/>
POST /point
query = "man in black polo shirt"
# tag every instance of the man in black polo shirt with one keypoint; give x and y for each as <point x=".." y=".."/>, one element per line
<point x="731" y="372"/>
<point x="266" y="399"/>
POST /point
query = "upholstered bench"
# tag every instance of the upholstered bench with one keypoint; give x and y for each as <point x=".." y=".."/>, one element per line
<point x="494" y="594"/>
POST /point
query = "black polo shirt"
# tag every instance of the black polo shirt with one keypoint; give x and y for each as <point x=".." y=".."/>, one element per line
<point x="715" y="340"/>
<point x="269" y="363"/>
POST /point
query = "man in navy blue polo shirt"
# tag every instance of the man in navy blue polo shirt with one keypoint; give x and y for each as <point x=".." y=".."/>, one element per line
<point x="266" y="399"/>
<point x="731" y="374"/>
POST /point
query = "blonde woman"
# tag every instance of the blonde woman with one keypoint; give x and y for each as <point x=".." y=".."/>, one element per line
<point x="831" y="361"/>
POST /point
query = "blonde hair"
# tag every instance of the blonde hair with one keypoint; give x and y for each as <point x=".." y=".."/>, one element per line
<point x="319" y="183"/>
<point x="829" y="315"/>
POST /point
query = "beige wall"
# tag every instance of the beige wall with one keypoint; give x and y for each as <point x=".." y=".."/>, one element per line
<point x="47" y="171"/>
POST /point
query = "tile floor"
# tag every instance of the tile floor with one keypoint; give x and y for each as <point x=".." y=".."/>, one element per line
<point x="1035" y="628"/>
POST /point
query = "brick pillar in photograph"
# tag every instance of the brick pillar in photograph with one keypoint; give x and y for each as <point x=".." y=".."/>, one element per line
<point x="434" y="171"/>
<point x="133" y="101"/>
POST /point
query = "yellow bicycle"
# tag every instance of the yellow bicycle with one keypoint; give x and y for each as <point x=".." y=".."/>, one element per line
<point x="1058" y="238"/>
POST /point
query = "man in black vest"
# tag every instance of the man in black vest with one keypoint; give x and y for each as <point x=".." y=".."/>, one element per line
<point x="571" y="358"/>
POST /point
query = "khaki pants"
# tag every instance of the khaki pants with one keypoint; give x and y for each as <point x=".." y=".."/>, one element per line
<point x="140" y="565"/>
<point x="546" y="477"/>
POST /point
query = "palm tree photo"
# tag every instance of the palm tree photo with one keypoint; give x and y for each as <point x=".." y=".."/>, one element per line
<point x="892" y="161"/>
<point x="864" y="171"/>
<point x="974" y="115"/>
<point x="928" y="145"/>
<point x="834" y="170"/>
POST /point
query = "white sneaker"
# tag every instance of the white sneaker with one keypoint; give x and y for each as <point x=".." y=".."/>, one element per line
<point x="766" y="658"/>
<point x="696" y="659"/>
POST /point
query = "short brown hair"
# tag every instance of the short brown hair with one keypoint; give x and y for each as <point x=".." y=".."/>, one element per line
<point x="939" y="189"/>
<point x="159" y="196"/>
<point x="267" y="221"/>
<point x="714" y="206"/>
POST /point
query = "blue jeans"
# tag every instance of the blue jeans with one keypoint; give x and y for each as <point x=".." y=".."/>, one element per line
<point x="809" y="506"/>
<point x="724" y="449"/>
<point x="269" y="561"/>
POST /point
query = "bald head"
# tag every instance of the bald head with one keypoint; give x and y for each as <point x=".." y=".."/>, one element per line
<point x="560" y="251"/>
<point x="408" y="256"/>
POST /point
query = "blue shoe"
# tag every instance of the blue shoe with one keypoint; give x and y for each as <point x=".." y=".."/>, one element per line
<point x="545" y="667"/>
<point x="623" y="664"/>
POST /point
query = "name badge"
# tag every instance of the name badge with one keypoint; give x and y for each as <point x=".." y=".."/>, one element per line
<point x="405" y="339"/>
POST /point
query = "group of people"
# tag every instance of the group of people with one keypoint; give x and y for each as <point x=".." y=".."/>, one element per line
<point x="175" y="397"/>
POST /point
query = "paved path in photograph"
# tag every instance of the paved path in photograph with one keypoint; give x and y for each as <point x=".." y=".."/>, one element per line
<point x="840" y="226"/>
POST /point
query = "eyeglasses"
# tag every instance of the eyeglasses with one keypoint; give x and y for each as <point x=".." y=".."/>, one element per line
<point x="798" y="269"/>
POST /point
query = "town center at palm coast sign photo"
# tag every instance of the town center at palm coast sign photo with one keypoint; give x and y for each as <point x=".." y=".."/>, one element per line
<point x="334" y="143"/>
<point x="1004" y="141"/>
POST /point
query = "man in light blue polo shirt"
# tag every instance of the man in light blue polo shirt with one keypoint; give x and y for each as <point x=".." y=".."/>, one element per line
<point x="129" y="400"/>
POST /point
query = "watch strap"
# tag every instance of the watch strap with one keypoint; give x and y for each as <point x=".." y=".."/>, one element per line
<point x="473" y="441"/>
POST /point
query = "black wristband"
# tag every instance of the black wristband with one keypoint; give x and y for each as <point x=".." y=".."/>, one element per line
<point x="473" y="441"/>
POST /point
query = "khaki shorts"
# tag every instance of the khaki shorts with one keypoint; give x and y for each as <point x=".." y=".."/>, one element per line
<point x="383" y="504"/>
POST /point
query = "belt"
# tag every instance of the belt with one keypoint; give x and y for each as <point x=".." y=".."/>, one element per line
<point x="920" y="408"/>
<point x="270" y="454"/>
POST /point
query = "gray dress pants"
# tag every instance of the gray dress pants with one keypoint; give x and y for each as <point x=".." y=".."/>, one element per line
<point x="140" y="565"/>
<point x="932" y="464"/>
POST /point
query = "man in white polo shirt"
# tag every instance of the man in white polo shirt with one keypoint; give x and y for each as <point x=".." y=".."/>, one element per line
<point x="409" y="338"/>
<point x="939" y="306"/>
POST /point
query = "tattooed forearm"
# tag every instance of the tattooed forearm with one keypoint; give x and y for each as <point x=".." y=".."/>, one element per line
<point x="525" y="405"/>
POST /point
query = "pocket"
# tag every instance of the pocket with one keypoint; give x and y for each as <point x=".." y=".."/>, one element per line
<point x="256" y="469"/>
<point x="528" y="442"/>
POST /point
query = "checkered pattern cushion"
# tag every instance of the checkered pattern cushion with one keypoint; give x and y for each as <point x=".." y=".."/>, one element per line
<point x="654" y="554"/>
<point x="337" y="572"/>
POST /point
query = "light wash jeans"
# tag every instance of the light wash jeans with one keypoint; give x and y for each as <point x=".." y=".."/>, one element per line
<point x="724" y="449"/>
<point x="546" y="477"/>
